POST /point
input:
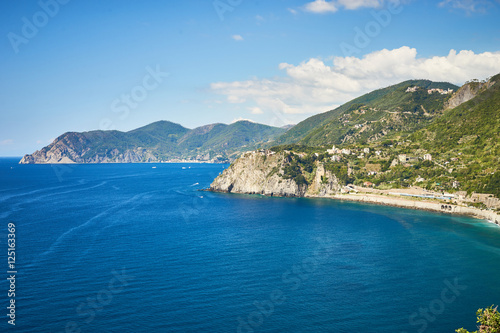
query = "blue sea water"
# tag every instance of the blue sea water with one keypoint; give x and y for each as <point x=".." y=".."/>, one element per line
<point x="132" y="248"/>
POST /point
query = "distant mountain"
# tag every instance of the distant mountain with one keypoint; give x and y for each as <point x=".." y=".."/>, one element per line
<point x="159" y="141"/>
<point x="287" y="127"/>
<point x="407" y="106"/>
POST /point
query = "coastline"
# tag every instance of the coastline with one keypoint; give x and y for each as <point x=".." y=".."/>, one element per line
<point x="432" y="206"/>
<point x="490" y="216"/>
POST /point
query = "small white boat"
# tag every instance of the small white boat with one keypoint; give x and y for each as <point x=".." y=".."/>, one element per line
<point x="154" y="167"/>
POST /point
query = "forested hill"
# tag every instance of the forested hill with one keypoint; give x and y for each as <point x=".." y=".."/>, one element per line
<point x="159" y="141"/>
<point x="407" y="106"/>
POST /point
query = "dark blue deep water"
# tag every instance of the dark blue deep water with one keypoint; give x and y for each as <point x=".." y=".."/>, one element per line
<point x="132" y="248"/>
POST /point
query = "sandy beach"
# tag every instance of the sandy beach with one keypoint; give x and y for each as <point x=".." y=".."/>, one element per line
<point x="392" y="200"/>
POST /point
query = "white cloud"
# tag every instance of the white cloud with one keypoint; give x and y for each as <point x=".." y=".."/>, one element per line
<point x="241" y="119"/>
<point x="332" y="6"/>
<point x="468" y="6"/>
<point x="315" y="85"/>
<point x="6" y="142"/>
<point x="237" y="37"/>
<point x="355" y="4"/>
<point x="256" y="110"/>
<point x="293" y="11"/>
<point x="320" y="6"/>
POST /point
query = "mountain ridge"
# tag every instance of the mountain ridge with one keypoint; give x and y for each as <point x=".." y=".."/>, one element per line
<point x="452" y="161"/>
<point x="156" y="142"/>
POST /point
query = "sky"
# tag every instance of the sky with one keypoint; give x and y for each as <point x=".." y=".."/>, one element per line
<point x="74" y="65"/>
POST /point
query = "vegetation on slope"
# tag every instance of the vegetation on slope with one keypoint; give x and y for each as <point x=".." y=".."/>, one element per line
<point x="423" y="145"/>
<point x="166" y="141"/>
<point x="378" y="110"/>
<point x="488" y="320"/>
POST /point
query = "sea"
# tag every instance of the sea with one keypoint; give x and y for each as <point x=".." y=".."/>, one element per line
<point x="141" y="248"/>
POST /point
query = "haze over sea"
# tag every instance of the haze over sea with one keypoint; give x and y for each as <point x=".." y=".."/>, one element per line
<point x="132" y="248"/>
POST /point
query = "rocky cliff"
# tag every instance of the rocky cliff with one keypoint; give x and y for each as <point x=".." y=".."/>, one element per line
<point x="75" y="148"/>
<point x="467" y="92"/>
<point x="157" y="142"/>
<point x="263" y="172"/>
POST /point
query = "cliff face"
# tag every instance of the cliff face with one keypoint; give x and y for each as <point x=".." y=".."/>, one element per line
<point x="262" y="173"/>
<point x="467" y="92"/>
<point x="73" y="148"/>
<point x="157" y="142"/>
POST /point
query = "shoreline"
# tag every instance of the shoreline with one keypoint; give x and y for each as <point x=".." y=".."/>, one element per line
<point x="432" y="206"/>
<point x="489" y="216"/>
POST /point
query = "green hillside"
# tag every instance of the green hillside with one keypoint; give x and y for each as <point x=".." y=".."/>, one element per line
<point x="453" y="150"/>
<point x="227" y="139"/>
<point x="471" y="133"/>
<point x="159" y="141"/>
<point x="373" y="115"/>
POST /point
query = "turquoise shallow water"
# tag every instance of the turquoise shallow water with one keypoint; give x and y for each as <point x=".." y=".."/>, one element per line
<point x="131" y="248"/>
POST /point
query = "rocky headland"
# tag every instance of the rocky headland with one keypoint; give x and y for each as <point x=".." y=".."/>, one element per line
<point x="264" y="172"/>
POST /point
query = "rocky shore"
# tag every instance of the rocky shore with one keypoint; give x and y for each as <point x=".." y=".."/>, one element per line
<point x="261" y="173"/>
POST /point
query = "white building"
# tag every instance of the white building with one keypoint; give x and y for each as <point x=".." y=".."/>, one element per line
<point x="427" y="157"/>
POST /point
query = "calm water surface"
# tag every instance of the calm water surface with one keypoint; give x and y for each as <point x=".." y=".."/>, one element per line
<point x="132" y="248"/>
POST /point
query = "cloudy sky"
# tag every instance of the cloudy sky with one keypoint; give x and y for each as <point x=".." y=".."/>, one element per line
<point x="71" y="65"/>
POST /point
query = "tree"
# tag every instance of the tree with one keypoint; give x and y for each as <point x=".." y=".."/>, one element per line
<point x="488" y="319"/>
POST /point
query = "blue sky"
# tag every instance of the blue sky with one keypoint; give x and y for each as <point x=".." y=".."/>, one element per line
<point x="73" y="65"/>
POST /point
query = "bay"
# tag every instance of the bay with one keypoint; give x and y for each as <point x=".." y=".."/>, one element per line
<point x="132" y="248"/>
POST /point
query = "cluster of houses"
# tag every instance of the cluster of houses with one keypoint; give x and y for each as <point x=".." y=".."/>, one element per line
<point x="441" y="91"/>
<point x="337" y="153"/>
<point x="403" y="158"/>
<point x="431" y="91"/>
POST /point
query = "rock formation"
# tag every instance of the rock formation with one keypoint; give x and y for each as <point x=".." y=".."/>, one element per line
<point x="262" y="172"/>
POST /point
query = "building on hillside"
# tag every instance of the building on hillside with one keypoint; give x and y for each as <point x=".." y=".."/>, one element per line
<point x="403" y="158"/>
<point x="427" y="157"/>
<point x="366" y="150"/>
<point x="441" y="91"/>
<point x="368" y="184"/>
<point x="336" y="158"/>
<point x="412" y="89"/>
<point x="420" y="179"/>
<point x="346" y="151"/>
